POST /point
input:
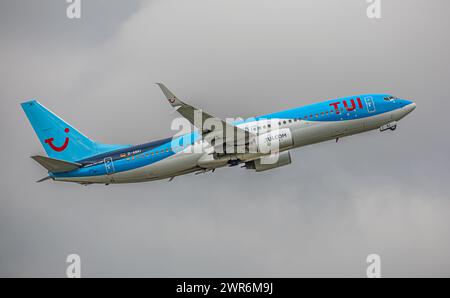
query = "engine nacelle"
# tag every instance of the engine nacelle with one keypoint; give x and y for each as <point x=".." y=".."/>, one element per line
<point x="270" y="162"/>
<point x="275" y="141"/>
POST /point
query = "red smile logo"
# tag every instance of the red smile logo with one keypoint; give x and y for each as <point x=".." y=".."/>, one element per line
<point x="58" y="149"/>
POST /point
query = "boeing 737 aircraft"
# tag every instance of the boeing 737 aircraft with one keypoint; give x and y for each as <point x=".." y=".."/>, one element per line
<point x="73" y="157"/>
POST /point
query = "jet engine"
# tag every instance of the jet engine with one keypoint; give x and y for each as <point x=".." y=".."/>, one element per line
<point x="274" y="141"/>
<point x="269" y="162"/>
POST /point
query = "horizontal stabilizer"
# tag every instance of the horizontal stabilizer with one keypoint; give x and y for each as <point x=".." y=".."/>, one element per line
<point x="44" y="179"/>
<point x="56" y="165"/>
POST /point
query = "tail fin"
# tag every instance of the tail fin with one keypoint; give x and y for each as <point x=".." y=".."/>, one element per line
<point x="59" y="139"/>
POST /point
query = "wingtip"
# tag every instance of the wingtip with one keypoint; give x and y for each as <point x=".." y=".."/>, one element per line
<point x="161" y="85"/>
<point x="173" y="100"/>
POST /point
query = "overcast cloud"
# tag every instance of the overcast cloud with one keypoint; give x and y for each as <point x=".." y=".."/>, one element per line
<point x="384" y="193"/>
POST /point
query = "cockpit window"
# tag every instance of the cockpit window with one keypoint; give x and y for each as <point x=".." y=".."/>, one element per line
<point x="389" y="98"/>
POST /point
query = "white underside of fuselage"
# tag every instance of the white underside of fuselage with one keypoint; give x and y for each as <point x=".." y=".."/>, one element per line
<point x="304" y="133"/>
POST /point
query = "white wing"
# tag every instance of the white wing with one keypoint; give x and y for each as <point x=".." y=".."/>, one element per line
<point x="216" y="131"/>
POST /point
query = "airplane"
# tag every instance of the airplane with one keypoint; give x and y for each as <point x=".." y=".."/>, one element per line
<point x="73" y="157"/>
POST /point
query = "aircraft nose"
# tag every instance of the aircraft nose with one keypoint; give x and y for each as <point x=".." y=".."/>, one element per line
<point x="408" y="105"/>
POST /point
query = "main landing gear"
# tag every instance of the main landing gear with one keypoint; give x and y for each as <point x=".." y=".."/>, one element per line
<point x="234" y="162"/>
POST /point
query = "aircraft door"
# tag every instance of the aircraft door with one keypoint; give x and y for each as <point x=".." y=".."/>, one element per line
<point x="369" y="104"/>
<point x="109" y="165"/>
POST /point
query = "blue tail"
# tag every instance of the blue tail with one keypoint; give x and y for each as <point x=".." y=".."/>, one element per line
<point x="59" y="139"/>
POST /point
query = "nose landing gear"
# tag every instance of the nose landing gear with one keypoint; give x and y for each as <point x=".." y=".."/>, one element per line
<point x="391" y="126"/>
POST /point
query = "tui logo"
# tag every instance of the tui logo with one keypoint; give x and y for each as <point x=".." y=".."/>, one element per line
<point x="352" y="108"/>
<point x="61" y="148"/>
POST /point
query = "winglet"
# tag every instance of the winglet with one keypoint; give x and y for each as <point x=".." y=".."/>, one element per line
<point x="173" y="100"/>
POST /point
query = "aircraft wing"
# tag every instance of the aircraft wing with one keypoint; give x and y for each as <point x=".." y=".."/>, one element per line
<point x="212" y="128"/>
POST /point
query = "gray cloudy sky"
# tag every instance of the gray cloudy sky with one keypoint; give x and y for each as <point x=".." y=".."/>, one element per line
<point x="321" y="216"/>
